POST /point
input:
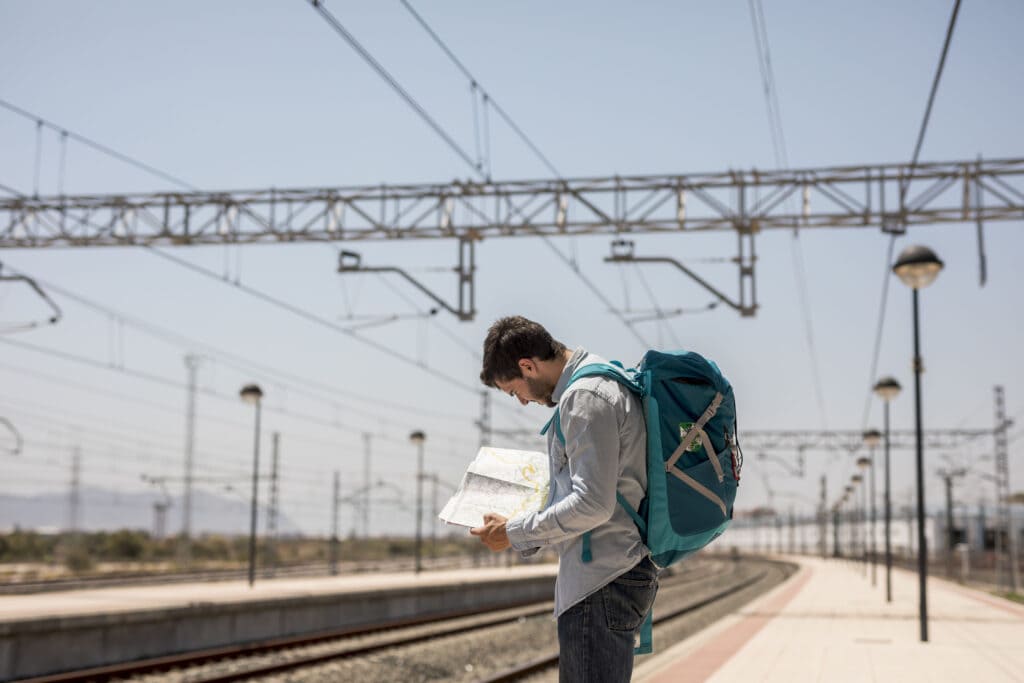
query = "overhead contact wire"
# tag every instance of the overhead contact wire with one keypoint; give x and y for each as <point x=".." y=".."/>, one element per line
<point x="536" y="150"/>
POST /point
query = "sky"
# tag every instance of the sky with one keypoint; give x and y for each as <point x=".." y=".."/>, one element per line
<point x="239" y="95"/>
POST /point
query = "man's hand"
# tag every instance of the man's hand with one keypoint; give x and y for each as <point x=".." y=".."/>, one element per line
<point x="493" y="533"/>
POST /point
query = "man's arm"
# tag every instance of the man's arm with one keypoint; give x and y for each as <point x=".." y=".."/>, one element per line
<point x="590" y="424"/>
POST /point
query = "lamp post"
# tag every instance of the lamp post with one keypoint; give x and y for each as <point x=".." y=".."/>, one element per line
<point x="858" y="482"/>
<point x="418" y="438"/>
<point x="835" y="530"/>
<point x="251" y="393"/>
<point x="917" y="267"/>
<point x="887" y="389"/>
<point x="872" y="437"/>
<point x="851" y="534"/>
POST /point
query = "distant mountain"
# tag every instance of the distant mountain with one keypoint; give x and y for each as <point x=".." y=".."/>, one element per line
<point x="103" y="509"/>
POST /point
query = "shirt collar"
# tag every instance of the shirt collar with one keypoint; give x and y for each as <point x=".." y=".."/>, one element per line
<point x="574" y="362"/>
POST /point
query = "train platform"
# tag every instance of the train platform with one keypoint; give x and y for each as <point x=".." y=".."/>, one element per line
<point x="828" y="623"/>
<point x="92" y="601"/>
<point x="46" y="633"/>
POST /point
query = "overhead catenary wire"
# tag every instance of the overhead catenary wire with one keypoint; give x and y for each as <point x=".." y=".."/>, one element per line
<point x="571" y="263"/>
<point x="782" y="160"/>
<point x="383" y="73"/>
<point x="150" y="169"/>
<point x="96" y="145"/>
<point x="235" y="360"/>
<point x="904" y="186"/>
<point x="311" y="317"/>
<point x="336" y="424"/>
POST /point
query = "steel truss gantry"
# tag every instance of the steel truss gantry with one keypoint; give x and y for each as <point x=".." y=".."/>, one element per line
<point x="745" y="202"/>
<point x="742" y="201"/>
<point x="851" y="441"/>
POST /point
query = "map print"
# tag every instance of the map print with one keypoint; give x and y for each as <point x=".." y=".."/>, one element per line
<point x="502" y="480"/>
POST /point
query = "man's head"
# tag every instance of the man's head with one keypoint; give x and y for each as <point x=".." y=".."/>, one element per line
<point x="522" y="359"/>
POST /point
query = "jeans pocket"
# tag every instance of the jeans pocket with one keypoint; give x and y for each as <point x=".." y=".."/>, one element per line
<point x="628" y="599"/>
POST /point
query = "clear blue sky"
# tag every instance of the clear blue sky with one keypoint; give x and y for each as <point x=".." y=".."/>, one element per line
<point x="258" y="94"/>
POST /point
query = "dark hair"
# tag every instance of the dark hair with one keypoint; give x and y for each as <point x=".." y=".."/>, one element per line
<point x="510" y="339"/>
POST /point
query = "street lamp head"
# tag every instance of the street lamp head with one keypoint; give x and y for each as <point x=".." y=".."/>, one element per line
<point x="917" y="266"/>
<point x="251" y="393"/>
<point x="887" y="388"/>
<point x="872" y="438"/>
<point x="856" y="479"/>
<point x="417" y="437"/>
<point x="863" y="463"/>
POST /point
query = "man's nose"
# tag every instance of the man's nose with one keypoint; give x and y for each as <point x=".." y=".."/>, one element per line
<point x="522" y="401"/>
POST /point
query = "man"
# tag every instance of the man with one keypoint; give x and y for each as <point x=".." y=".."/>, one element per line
<point x="600" y="601"/>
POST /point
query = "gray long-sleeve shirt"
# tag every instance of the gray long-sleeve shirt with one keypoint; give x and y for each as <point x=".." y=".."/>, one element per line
<point x="604" y="451"/>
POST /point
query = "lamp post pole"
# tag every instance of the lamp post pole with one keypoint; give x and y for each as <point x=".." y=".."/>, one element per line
<point x="872" y="437"/>
<point x="888" y="513"/>
<point x="922" y="543"/>
<point x="418" y="438"/>
<point x="251" y="393"/>
<point x="917" y="267"/>
<point x="887" y="389"/>
<point x="860" y="515"/>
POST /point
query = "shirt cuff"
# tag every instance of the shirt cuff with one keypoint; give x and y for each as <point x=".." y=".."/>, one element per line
<point x="517" y="535"/>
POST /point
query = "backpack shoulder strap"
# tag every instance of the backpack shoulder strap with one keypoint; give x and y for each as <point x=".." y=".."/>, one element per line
<point x="614" y="371"/>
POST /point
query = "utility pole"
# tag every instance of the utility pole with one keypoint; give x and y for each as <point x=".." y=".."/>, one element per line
<point x="1005" y="512"/>
<point x="367" y="484"/>
<point x="947" y="477"/>
<point x="433" y="517"/>
<point x="185" y="545"/>
<point x="75" y="494"/>
<point x="271" y="548"/>
<point x="159" y="518"/>
<point x="823" y="518"/>
<point x="792" y="531"/>
<point x="332" y="561"/>
<point x="835" y="532"/>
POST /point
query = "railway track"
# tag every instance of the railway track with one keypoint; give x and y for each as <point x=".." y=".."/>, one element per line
<point x="474" y="646"/>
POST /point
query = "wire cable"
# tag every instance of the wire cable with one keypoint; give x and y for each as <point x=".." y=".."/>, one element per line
<point x="887" y="275"/>
<point x="96" y="145"/>
<point x="782" y="160"/>
<point x="383" y="73"/>
<point x="486" y="96"/>
<point x="573" y="266"/>
<point x="311" y="317"/>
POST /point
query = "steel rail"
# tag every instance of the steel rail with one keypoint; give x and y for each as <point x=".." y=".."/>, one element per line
<point x="550" y="660"/>
<point x="237" y="652"/>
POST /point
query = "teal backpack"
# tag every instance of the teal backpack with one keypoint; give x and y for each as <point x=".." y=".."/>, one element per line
<point x="693" y="454"/>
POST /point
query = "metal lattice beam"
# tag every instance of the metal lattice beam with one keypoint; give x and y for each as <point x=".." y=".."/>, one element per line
<point x="743" y="201"/>
<point x="851" y="441"/>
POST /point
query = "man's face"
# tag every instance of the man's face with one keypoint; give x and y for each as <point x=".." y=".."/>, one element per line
<point x="527" y="389"/>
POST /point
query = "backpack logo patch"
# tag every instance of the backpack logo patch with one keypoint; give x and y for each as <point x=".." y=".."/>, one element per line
<point x="684" y="429"/>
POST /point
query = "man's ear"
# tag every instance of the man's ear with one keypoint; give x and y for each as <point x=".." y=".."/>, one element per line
<point x="527" y="365"/>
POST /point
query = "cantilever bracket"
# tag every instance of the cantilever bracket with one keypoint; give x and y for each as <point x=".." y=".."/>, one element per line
<point x="18" y="442"/>
<point x="797" y="471"/>
<point x="351" y="262"/>
<point x="52" y="320"/>
<point x="622" y="252"/>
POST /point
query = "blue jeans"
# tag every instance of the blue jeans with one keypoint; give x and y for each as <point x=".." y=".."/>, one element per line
<point x="596" y="636"/>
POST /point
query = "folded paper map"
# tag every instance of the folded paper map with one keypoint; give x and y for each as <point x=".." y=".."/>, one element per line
<point x="500" y="480"/>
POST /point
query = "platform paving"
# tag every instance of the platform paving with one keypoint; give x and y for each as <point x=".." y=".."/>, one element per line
<point x="828" y="623"/>
<point x="132" y="598"/>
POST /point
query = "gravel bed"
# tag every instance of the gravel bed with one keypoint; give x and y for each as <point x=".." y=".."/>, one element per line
<point x="489" y="650"/>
